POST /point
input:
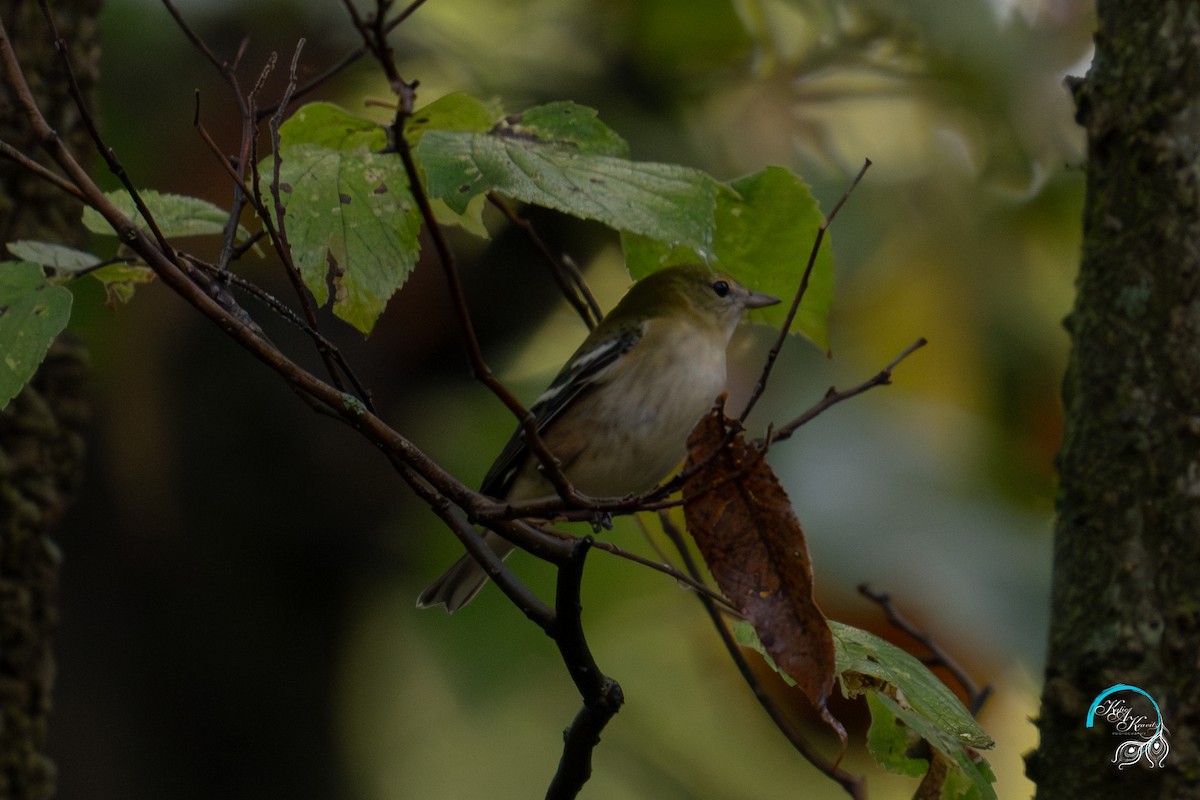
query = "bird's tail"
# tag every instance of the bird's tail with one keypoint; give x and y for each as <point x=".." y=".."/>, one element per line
<point x="458" y="585"/>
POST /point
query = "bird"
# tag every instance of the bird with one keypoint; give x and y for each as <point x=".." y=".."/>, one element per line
<point x="618" y="414"/>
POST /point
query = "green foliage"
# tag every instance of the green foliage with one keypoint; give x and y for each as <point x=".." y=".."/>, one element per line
<point x="907" y="703"/>
<point x="560" y="156"/>
<point x="347" y="198"/>
<point x="174" y="214"/>
<point x="353" y="224"/>
<point x="901" y="690"/>
<point x="763" y="232"/>
<point x="32" y="312"/>
<point x="57" y="257"/>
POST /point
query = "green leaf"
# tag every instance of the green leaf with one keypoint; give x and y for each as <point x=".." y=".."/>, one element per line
<point x="568" y="124"/>
<point x="976" y="776"/>
<point x="899" y="685"/>
<point x="866" y="661"/>
<point x="32" y="312"/>
<point x="458" y="111"/>
<point x="539" y="162"/>
<point x="175" y="215"/>
<point x="745" y="635"/>
<point x="57" y="257"/>
<point x="890" y="740"/>
<point x="347" y="200"/>
<point x="120" y="281"/>
<point x="763" y="234"/>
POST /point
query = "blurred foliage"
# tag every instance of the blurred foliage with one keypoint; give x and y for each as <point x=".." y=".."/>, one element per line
<point x="240" y="579"/>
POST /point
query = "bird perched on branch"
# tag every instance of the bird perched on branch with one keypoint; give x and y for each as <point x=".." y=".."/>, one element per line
<point x="618" y="414"/>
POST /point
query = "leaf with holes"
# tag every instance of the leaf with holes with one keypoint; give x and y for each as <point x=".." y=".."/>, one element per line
<point x="351" y="220"/>
<point x="561" y="156"/>
<point x="32" y="312"/>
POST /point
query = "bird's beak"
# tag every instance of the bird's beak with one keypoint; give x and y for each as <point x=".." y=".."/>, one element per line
<point x="760" y="300"/>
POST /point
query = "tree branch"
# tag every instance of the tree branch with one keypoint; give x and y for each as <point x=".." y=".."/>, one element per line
<point x="833" y="396"/>
<point x="602" y="696"/>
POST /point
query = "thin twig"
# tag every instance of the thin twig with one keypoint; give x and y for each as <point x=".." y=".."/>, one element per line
<point x="34" y="168"/>
<point x="938" y="657"/>
<point x="313" y="84"/>
<point x="566" y="274"/>
<point x="761" y="386"/>
<point x="89" y="123"/>
<point x="374" y="33"/>
<point x="178" y="276"/>
<point x="833" y="396"/>
<point x="666" y="568"/>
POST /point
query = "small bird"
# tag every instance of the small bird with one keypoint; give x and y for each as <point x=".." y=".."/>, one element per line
<point x="618" y="414"/>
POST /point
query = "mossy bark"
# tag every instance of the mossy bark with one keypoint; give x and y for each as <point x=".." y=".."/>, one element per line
<point x="41" y="444"/>
<point x="1126" y="589"/>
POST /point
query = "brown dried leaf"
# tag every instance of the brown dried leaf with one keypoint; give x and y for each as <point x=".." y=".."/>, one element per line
<point x="744" y="525"/>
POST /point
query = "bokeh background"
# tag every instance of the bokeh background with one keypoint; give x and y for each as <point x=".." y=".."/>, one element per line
<point x="240" y="574"/>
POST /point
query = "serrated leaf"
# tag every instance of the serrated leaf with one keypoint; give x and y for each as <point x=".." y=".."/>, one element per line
<point x="763" y="234"/>
<point x="32" y="312"/>
<point x="568" y="124"/>
<point x="663" y="201"/>
<point x="347" y="200"/>
<point x="175" y="214"/>
<point x="57" y="257"/>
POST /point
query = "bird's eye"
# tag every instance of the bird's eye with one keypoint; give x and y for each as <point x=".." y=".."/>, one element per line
<point x="721" y="288"/>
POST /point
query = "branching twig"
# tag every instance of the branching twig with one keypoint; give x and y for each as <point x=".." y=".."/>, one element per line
<point x="833" y="396"/>
<point x="566" y="273"/>
<point x="185" y="280"/>
<point x="374" y="33"/>
<point x="976" y="695"/>
<point x="761" y="386"/>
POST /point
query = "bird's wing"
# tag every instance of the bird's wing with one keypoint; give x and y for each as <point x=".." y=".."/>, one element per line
<point x="582" y="373"/>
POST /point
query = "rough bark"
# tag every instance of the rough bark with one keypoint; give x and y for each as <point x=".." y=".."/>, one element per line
<point x="1126" y="589"/>
<point x="41" y="445"/>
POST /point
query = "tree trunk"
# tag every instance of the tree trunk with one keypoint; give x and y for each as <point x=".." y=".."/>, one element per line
<point x="1126" y="588"/>
<point x="41" y="445"/>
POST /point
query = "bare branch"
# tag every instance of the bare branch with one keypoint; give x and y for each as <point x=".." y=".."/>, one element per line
<point x="833" y="396"/>
<point x="602" y="696"/>
<point x="976" y="695"/>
